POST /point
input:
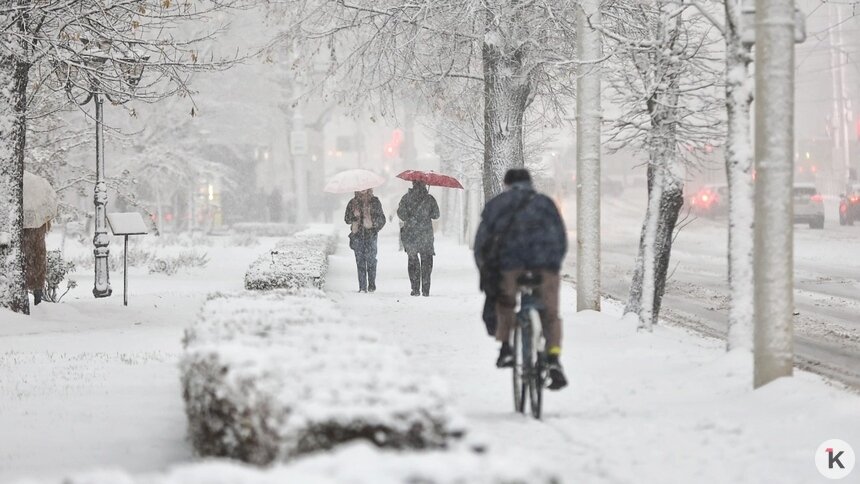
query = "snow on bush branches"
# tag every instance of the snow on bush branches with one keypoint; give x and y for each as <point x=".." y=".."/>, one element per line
<point x="355" y="464"/>
<point x="269" y="376"/>
<point x="297" y="261"/>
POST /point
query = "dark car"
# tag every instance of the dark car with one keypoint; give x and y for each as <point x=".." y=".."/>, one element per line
<point x="849" y="205"/>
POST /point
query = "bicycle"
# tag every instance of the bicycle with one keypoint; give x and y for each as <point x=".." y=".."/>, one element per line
<point x="529" y="371"/>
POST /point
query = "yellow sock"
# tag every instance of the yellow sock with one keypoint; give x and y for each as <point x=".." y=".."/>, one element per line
<point x="554" y="350"/>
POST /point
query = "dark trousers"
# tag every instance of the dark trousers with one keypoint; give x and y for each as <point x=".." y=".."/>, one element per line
<point x="420" y="266"/>
<point x="365" y="260"/>
<point x="549" y="297"/>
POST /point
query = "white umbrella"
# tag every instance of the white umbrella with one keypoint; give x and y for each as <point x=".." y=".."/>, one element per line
<point x="40" y="201"/>
<point x="353" y="181"/>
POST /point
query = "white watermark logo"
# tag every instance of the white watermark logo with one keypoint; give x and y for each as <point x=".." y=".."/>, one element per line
<point x="834" y="459"/>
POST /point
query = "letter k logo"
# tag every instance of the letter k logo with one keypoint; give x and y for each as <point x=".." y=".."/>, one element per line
<point x="834" y="459"/>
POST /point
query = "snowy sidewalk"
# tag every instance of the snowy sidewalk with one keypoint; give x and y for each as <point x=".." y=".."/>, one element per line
<point x="88" y="383"/>
<point x="664" y="407"/>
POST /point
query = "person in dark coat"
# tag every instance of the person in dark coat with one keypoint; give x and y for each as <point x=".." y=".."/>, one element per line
<point x="35" y="260"/>
<point x="417" y="210"/>
<point x="522" y="231"/>
<point x="365" y="217"/>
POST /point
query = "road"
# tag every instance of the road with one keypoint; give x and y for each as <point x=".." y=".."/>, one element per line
<point x="827" y="282"/>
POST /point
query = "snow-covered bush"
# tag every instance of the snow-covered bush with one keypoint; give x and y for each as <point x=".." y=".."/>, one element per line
<point x="244" y="239"/>
<point x="171" y="264"/>
<point x="233" y="316"/>
<point x="137" y="257"/>
<point x="296" y="262"/>
<point x="356" y="464"/>
<point x="262" y="229"/>
<point x="180" y="239"/>
<point x="270" y="376"/>
<point x="56" y="271"/>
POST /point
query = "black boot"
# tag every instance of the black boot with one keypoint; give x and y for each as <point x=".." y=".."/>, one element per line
<point x="506" y="356"/>
<point x="37" y="297"/>
<point x="557" y="380"/>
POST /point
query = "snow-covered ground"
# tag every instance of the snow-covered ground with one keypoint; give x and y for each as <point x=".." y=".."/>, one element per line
<point x="647" y="408"/>
<point x="89" y="384"/>
<point x="826" y="277"/>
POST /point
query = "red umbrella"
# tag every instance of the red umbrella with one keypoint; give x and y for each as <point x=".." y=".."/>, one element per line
<point x="430" y="178"/>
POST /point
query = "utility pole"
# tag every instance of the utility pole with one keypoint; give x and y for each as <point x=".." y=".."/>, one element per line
<point x="774" y="155"/>
<point x="843" y="98"/>
<point x="836" y="122"/>
<point x="589" y="49"/>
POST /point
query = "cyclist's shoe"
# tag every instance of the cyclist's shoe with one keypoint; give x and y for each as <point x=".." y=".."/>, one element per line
<point x="506" y="357"/>
<point x="557" y="380"/>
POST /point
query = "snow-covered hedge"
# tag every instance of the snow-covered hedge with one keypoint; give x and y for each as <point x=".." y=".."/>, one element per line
<point x="228" y="317"/>
<point x="269" y="376"/>
<point x="265" y="229"/>
<point x="298" y="261"/>
<point x="355" y="464"/>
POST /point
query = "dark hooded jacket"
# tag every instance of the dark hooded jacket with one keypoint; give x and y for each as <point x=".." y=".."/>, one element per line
<point x="521" y="229"/>
<point x="417" y="210"/>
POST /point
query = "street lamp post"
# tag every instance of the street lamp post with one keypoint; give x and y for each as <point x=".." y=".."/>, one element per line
<point x="101" y="287"/>
<point x="97" y="58"/>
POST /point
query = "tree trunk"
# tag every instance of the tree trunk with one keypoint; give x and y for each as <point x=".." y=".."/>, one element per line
<point x="588" y="146"/>
<point x="13" y="91"/>
<point x="740" y="181"/>
<point x="665" y="199"/>
<point x="506" y="95"/>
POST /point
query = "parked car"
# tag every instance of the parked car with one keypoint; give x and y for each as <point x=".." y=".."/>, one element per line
<point x="710" y="201"/>
<point x="808" y="206"/>
<point x="849" y="205"/>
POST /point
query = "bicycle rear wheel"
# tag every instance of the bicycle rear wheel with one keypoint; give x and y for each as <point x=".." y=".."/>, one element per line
<point x="520" y="385"/>
<point x="536" y="366"/>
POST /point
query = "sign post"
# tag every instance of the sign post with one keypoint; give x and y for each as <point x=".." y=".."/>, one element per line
<point x="125" y="224"/>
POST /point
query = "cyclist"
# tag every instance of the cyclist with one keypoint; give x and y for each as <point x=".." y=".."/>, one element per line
<point x="522" y="231"/>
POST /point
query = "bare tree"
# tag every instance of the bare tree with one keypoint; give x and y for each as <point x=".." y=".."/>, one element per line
<point x="80" y="46"/>
<point x="666" y="82"/>
<point x="738" y="165"/>
<point x="509" y="51"/>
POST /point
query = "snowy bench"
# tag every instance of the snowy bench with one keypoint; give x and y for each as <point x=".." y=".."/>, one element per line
<point x="298" y="261"/>
<point x="269" y="376"/>
<point x="356" y="464"/>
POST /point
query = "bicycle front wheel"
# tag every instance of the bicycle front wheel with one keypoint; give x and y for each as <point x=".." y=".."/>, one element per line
<point x="535" y="365"/>
<point x="520" y="385"/>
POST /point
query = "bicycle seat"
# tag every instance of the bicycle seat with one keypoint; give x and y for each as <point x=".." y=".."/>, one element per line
<point x="529" y="279"/>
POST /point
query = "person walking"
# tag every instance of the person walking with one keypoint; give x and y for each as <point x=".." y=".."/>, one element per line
<point x="417" y="210"/>
<point x="35" y="260"/>
<point x="521" y="231"/>
<point x="365" y="217"/>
